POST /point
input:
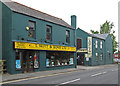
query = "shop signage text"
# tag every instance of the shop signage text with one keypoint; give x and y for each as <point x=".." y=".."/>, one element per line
<point x="35" y="46"/>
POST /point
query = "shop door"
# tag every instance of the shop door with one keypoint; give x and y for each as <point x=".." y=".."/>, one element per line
<point x="28" y="61"/>
<point x="80" y="59"/>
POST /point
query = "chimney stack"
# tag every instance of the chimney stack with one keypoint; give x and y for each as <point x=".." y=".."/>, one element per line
<point x="73" y="21"/>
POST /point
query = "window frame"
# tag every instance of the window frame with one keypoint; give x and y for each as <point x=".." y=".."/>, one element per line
<point x="101" y="56"/>
<point x="32" y="29"/>
<point x="49" y="33"/>
<point x="101" y="44"/>
<point x="96" y="44"/>
<point x="67" y="36"/>
<point x="96" y="54"/>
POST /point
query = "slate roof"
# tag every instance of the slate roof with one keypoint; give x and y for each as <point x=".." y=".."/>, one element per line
<point x="101" y="36"/>
<point x="20" y="8"/>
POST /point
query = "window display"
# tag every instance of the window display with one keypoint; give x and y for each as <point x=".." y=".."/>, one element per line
<point x="18" y="59"/>
<point x="59" y="58"/>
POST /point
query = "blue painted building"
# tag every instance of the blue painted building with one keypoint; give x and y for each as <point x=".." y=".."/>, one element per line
<point x="35" y="41"/>
<point x="94" y="49"/>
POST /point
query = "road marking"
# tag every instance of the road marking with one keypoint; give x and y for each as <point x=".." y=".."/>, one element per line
<point x="112" y="70"/>
<point x="70" y="81"/>
<point x="36" y="77"/>
<point x="115" y="70"/>
<point x="104" y="72"/>
<point x="96" y="74"/>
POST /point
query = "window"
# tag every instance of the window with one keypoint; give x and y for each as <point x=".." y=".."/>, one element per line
<point x="101" y="44"/>
<point x="96" y="56"/>
<point x="59" y="58"/>
<point x="79" y="43"/>
<point x="49" y="33"/>
<point x="31" y="29"/>
<point x="18" y="60"/>
<point x="67" y="36"/>
<point x="96" y="44"/>
<point x="101" y="56"/>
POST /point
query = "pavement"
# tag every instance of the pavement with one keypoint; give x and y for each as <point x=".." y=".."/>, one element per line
<point x="8" y="77"/>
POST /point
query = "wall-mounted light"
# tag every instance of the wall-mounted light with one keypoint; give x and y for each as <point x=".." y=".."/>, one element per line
<point x="27" y="28"/>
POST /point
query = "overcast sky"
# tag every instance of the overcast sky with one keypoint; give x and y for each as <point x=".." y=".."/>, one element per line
<point x="90" y="13"/>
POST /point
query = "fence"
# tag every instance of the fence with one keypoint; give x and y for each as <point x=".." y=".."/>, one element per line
<point x="3" y="66"/>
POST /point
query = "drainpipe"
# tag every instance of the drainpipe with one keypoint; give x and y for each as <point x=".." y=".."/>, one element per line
<point x="73" y="24"/>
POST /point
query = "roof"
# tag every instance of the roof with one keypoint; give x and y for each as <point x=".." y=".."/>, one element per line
<point x="101" y="36"/>
<point x="20" y="8"/>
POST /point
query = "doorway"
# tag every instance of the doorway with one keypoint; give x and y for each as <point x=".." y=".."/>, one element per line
<point x="80" y="59"/>
<point x="28" y="61"/>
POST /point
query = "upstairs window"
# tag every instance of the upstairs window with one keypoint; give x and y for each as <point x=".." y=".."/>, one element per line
<point x="32" y="28"/>
<point x="67" y="36"/>
<point x="101" y="45"/>
<point x="96" y="44"/>
<point x="49" y="33"/>
<point x="79" y="43"/>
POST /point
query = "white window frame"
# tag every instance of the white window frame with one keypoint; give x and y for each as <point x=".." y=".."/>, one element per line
<point x="96" y="44"/>
<point x="96" y="56"/>
<point x="101" y="56"/>
<point x="101" y="44"/>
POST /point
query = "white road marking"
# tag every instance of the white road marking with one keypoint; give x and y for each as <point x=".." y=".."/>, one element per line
<point x="70" y="81"/>
<point x="112" y="70"/>
<point x="104" y="72"/>
<point x="115" y="70"/>
<point x="96" y="74"/>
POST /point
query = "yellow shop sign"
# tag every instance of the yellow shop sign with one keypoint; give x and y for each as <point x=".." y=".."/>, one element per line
<point x="35" y="46"/>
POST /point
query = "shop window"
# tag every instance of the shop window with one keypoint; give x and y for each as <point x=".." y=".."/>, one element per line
<point x="32" y="29"/>
<point x="67" y="36"/>
<point x="96" y="56"/>
<point x="36" y="59"/>
<point x="101" y="56"/>
<point x="18" y="59"/>
<point x="59" y="58"/>
<point x="101" y="44"/>
<point x="96" y="44"/>
<point x="49" y="33"/>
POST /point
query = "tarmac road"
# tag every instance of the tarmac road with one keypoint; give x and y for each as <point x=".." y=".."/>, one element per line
<point x="104" y="75"/>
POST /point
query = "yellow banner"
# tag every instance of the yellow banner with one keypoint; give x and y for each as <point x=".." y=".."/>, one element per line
<point x="34" y="46"/>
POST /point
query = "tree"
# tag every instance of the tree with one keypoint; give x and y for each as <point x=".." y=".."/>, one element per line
<point x="95" y="32"/>
<point x="107" y="28"/>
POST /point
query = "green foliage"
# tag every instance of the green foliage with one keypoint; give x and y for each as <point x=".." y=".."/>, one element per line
<point x="107" y="28"/>
<point x="94" y="32"/>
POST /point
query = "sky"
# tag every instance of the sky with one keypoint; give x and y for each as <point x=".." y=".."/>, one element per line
<point x="90" y="13"/>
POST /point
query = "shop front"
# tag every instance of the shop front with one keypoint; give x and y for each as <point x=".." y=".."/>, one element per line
<point x="81" y="56"/>
<point x="28" y="57"/>
<point x="27" y="60"/>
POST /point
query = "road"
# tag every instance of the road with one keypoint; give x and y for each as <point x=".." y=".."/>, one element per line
<point x="104" y="75"/>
